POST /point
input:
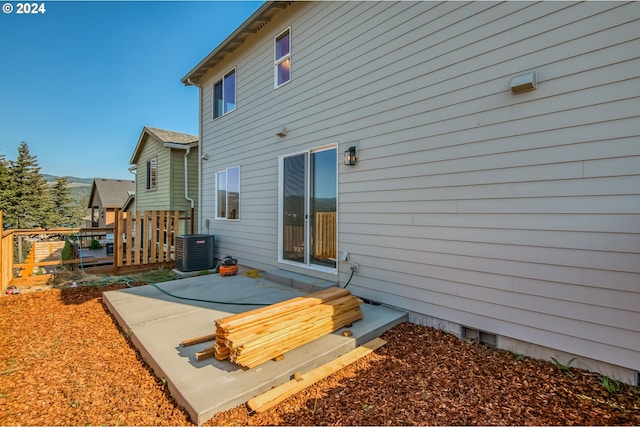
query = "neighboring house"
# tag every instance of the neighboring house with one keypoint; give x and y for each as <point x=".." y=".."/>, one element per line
<point x="130" y="204"/>
<point x="162" y="159"/>
<point x="87" y="221"/>
<point x="107" y="195"/>
<point x="512" y="218"/>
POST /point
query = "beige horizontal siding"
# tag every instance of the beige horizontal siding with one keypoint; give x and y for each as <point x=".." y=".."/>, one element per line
<point x="514" y="214"/>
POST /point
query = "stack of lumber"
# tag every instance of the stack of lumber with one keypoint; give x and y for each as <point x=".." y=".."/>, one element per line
<point x="251" y="338"/>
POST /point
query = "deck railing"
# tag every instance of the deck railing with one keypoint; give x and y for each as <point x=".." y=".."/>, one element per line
<point x="6" y="256"/>
<point x="126" y="251"/>
<point x="147" y="237"/>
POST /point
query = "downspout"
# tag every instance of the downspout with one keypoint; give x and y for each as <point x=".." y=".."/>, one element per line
<point x="134" y="170"/>
<point x="200" y="153"/>
<point x="187" y="149"/>
<point x="186" y="178"/>
<point x="190" y="82"/>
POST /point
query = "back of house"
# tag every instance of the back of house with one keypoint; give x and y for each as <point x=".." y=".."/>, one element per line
<point x="476" y="163"/>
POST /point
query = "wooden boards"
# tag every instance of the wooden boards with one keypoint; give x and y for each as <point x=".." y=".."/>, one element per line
<point x="198" y="340"/>
<point x="251" y="338"/>
<point x="301" y="381"/>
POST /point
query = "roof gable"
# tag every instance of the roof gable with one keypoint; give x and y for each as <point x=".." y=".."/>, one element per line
<point x="164" y="136"/>
<point x="110" y="193"/>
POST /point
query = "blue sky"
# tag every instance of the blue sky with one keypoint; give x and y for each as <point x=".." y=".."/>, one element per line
<point x="79" y="82"/>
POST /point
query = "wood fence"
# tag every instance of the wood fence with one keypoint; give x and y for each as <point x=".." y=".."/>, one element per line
<point x="147" y="237"/>
<point x="6" y="256"/>
<point x="324" y="241"/>
<point x="141" y="241"/>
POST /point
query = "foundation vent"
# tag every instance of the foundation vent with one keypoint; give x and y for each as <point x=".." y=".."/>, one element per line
<point x="480" y="337"/>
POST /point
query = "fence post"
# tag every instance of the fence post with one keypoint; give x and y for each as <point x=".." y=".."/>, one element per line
<point x="129" y="243"/>
<point x="163" y="239"/>
<point x="154" y="236"/>
<point x="20" y="260"/>
<point x="2" y="264"/>
<point x="5" y="265"/>
<point x="175" y="227"/>
<point x="143" y="229"/>
<point x="7" y="252"/>
<point x="117" y="240"/>
<point x="138" y="238"/>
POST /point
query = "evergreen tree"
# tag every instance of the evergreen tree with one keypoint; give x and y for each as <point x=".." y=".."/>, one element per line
<point x="82" y="209"/>
<point x="68" y="209"/>
<point x="5" y="185"/>
<point x="63" y="203"/>
<point x="29" y="204"/>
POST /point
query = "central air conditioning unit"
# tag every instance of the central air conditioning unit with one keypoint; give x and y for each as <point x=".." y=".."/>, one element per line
<point x="194" y="252"/>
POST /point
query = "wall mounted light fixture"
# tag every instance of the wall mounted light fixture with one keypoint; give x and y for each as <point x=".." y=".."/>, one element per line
<point x="524" y="83"/>
<point x="350" y="156"/>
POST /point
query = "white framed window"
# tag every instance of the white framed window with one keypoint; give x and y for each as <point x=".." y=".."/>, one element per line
<point x="282" y="62"/>
<point x="152" y="174"/>
<point x="224" y="94"/>
<point x="228" y="193"/>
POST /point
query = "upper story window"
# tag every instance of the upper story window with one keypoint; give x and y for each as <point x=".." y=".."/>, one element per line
<point x="228" y="193"/>
<point x="283" y="58"/>
<point x="224" y="94"/>
<point x="152" y="174"/>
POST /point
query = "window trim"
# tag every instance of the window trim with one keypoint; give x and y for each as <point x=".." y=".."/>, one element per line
<point x="278" y="61"/>
<point x="235" y="92"/>
<point x="152" y="184"/>
<point x="216" y="198"/>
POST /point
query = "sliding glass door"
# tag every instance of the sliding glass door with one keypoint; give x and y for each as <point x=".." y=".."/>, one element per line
<point x="308" y="221"/>
<point x="294" y="212"/>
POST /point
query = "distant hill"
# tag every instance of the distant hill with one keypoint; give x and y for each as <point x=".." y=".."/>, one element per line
<point x="71" y="179"/>
<point x="79" y="186"/>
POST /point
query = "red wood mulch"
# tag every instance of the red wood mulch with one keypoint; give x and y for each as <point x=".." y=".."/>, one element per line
<point x="63" y="361"/>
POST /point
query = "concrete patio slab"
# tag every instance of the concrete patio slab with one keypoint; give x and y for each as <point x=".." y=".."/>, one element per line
<point x="158" y="317"/>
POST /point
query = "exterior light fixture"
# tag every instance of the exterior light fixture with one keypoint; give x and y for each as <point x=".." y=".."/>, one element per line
<point x="350" y="156"/>
<point x="524" y="83"/>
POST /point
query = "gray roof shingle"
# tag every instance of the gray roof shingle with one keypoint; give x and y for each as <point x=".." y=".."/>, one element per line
<point x="164" y="136"/>
<point x="171" y="136"/>
<point x="113" y="193"/>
